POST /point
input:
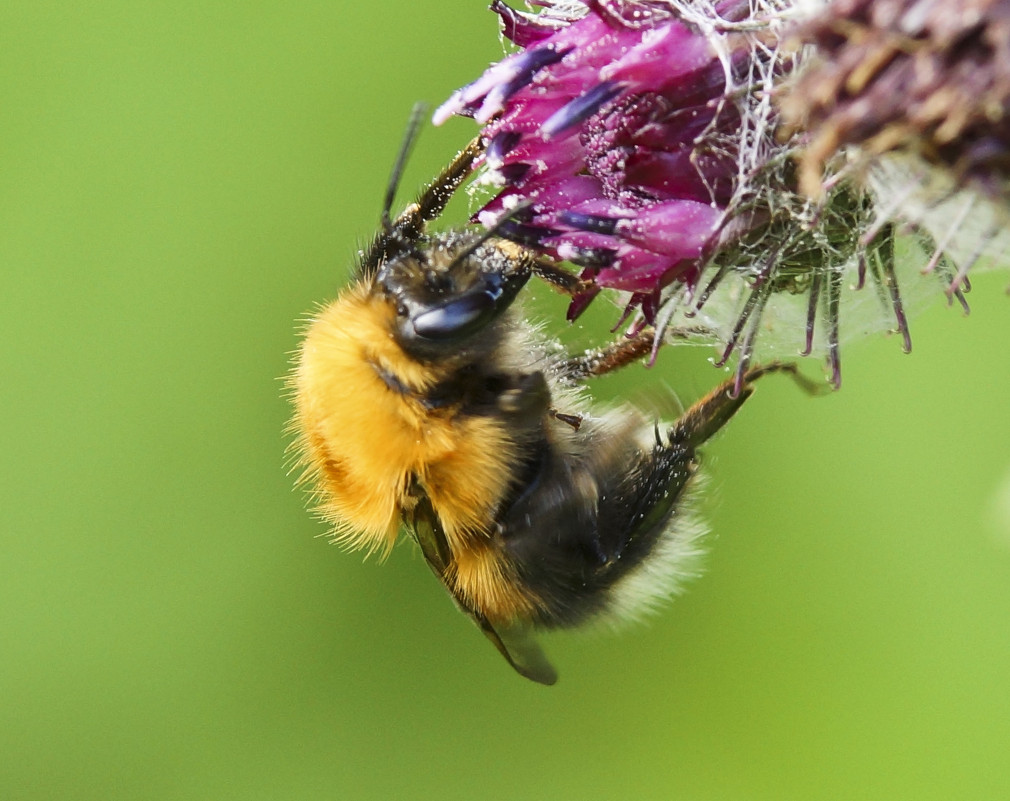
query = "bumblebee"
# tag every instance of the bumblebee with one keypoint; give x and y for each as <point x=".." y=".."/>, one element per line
<point x="424" y="399"/>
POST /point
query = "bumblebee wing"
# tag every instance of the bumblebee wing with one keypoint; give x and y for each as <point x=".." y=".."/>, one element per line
<point x="515" y="643"/>
<point x="520" y="649"/>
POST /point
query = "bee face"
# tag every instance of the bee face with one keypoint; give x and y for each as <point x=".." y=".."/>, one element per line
<point x="449" y="287"/>
<point x="423" y="399"/>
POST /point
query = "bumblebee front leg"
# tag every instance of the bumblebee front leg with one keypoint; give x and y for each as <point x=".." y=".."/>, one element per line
<point x="435" y="197"/>
<point x="561" y="279"/>
<point x="409" y="225"/>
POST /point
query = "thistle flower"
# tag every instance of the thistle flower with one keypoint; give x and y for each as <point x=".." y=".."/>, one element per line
<point x="918" y="95"/>
<point x="949" y="63"/>
<point x="637" y="139"/>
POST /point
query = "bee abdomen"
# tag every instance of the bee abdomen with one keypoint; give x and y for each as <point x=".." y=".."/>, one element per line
<point x="585" y="520"/>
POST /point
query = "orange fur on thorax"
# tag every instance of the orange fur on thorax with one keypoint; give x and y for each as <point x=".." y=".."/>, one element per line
<point x="364" y="441"/>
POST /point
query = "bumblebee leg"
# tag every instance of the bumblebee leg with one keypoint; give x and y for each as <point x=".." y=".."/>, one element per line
<point x="605" y="360"/>
<point x="561" y="279"/>
<point x="409" y="226"/>
<point x="433" y="200"/>
<point x="713" y="411"/>
<point x="621" y="353"/>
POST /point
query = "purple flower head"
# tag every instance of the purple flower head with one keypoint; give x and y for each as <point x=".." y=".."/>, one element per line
<point x="640" y="141"/>
<point x="611" y="126"/>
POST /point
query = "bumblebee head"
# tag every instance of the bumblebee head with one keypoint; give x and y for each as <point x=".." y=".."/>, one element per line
<point x="449" y="288"/>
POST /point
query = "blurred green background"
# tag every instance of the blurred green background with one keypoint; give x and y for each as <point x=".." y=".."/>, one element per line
<point x="179" y="184"/>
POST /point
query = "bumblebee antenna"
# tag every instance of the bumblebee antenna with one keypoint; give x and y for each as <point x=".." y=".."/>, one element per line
<point x="409" y="140"/>
<point x="409" y="225"/>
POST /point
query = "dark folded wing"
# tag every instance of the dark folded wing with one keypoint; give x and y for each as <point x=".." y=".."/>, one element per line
<point x="515" y="643"/>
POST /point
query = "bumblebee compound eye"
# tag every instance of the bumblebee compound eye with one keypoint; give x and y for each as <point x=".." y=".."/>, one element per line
<point x="456" y="318"/>
<point x="457" y="292"/>
<point x="461" y="315"/>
